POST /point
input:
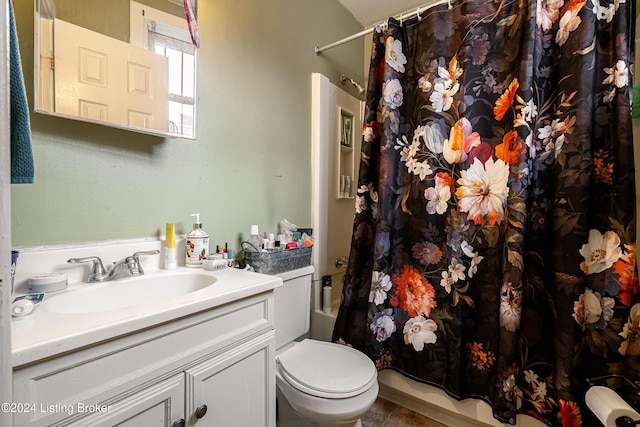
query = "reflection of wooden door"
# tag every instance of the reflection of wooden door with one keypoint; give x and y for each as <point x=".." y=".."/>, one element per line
<point x="104" y="79"/>
<point x="45" y="82"/>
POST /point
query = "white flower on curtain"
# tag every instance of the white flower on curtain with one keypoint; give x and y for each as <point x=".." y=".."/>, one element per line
<point x="392" y="93"/>
<point x="618" y="74"/>
<point x="394" y="56"/>
<point x="483" y="190"/>
<point x="568" y="23"/>
<point x="600" y="252"/>
<point x="419" y="331"/>
<point x="606" y="12"/>
<point x="380" y="285"/>
<point x="593" y="310"/>
<point x="442" y="96"/>
<point x="438" y="198"/>
<point x="548" y="12"/>
<point x="631" y="333"/>
<point x="510" y="307"/>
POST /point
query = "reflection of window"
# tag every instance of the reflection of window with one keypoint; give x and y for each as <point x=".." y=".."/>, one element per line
<point x="176" y="46"/>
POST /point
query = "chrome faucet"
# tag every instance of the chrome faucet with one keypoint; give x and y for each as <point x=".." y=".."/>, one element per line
<point x="129" y="266"/>
<point x="126" y="267"/>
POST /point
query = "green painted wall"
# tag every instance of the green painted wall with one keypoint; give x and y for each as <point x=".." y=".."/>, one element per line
<point x="250" y="162"/>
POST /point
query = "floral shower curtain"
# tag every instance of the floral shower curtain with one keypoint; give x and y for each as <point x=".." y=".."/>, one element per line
<point x="493" y="249"/>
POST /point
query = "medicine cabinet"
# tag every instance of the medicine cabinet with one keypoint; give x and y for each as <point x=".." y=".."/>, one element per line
<point x="120" y="63"/>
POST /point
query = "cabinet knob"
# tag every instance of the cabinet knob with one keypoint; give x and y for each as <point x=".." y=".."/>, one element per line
<point x="201" y="411"/>
<point x="179" y="423"/>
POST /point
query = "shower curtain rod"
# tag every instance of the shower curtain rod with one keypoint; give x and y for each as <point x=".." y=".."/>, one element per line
<point x="429" y="4"/>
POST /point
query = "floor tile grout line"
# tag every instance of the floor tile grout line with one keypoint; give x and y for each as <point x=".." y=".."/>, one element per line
<point x="386" y="419"/>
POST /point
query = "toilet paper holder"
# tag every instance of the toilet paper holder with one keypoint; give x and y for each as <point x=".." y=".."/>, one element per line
<point x="626" y="422"/>
<point x="623" y="421"/>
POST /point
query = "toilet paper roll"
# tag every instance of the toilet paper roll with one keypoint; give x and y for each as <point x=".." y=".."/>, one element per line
<point x="608" y="406"/>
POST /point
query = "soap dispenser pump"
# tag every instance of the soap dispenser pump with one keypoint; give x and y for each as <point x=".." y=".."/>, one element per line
<point x="197" y="245"/>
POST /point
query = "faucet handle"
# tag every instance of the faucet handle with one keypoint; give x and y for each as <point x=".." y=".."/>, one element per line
<point x="342" y="262"/>
<point x="153" y="252"/>
<point x="98" y="273"/>
<point x="135" y="267"/>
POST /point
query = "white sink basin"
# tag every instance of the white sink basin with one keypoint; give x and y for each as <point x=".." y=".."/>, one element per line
<point x="126" y="293"/>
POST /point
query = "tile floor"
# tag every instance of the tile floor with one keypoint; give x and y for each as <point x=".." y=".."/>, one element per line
<point x="386" y="414"/>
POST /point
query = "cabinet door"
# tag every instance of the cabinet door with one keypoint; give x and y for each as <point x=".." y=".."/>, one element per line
<point x="236" y="388"/>
<point x="160" y="405"/>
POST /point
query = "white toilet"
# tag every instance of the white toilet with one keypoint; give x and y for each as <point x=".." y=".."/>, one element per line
<point x="318" y="383"/>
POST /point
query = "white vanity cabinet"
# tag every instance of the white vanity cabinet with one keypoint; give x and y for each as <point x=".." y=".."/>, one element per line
<point x="158" y="405"/>
<point x="233" y="387"/>
<point x="213" y="368"/>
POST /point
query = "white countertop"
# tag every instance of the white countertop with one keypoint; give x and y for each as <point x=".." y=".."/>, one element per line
<point x="45" y="333"/>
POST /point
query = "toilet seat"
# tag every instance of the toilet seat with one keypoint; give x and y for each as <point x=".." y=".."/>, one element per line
<point x="327" y="370"/>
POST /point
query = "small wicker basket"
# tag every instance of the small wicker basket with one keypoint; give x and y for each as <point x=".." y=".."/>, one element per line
<point x="277" y="261"/>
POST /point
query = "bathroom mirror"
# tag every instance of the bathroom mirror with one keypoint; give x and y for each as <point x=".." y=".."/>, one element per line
<point x="122" y="63"/>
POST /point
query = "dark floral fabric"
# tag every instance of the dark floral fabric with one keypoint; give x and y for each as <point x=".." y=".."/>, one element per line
<point x="493" y="249"/>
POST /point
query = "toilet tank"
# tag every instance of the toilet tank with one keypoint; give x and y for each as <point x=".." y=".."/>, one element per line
<point x="293" y="305"/>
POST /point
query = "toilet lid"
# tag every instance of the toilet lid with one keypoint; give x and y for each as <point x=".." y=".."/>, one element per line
<point x="327" y="370"/>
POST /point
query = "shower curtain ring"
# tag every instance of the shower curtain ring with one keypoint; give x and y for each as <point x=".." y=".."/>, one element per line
<point x="450" y="6"/>
<point x="418" y="14"/>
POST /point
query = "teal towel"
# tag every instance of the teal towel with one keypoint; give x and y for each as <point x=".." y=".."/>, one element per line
<point x="22" y="169"/>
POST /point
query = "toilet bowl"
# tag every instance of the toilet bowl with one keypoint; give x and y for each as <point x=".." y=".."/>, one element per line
<point x="324" y="384"/>
<point x="317" y="383"/>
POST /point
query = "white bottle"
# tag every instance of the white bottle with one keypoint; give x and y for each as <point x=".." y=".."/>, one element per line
<point x="271" y="242"/>
<point x="255" y="240"/>
<point x="326" y="299"/>
<point x="197" y="244"/>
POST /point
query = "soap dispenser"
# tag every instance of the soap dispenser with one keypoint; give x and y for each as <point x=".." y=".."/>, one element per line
<point x="197" y="244"/>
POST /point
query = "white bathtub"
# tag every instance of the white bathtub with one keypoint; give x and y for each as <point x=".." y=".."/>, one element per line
<point x="395" y="387"/>
<point x="321" y="322"/>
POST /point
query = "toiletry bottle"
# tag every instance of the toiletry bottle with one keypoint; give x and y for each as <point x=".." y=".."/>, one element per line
<point x="271" y="242"/>
<point x="326" y="293"/>
<point x="255" y="240"/>
<point x="197" y="244"/>
<point x="170" y="257"/>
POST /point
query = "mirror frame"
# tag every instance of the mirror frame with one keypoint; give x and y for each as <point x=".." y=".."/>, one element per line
<point x="37" y="102"/>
